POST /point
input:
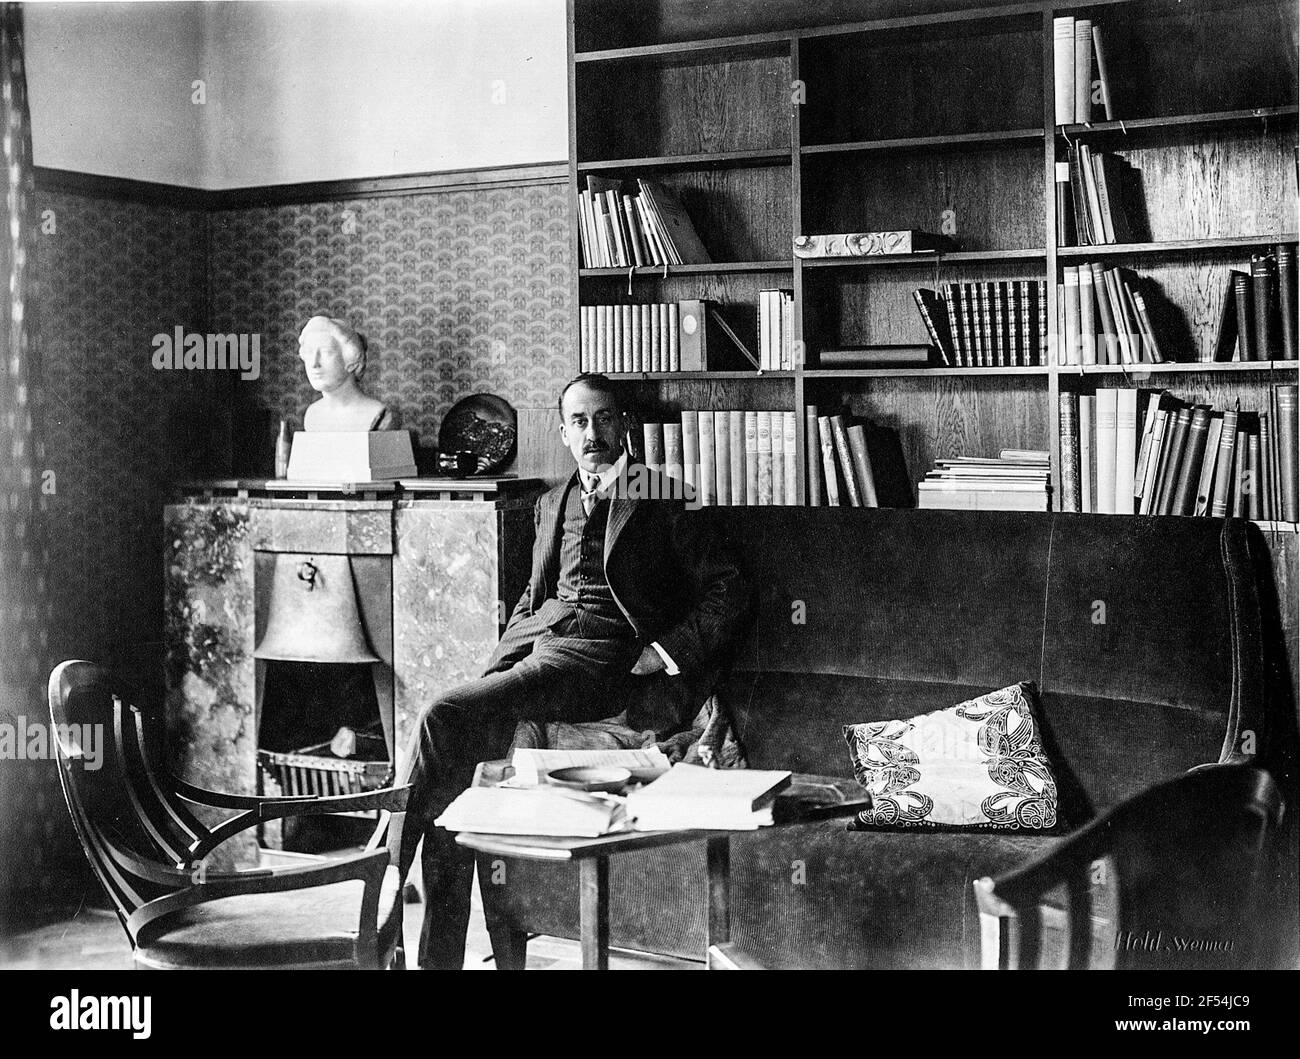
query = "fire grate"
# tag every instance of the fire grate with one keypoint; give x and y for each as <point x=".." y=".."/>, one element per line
<point x="315" y="771"/>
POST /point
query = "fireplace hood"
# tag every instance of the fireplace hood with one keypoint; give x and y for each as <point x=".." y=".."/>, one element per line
<point x="313" y="613"/>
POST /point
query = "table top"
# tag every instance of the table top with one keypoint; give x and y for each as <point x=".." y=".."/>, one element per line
<point x="808" y="798"/>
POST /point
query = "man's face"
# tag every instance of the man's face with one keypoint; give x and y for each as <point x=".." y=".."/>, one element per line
<point x="592" y="427"/>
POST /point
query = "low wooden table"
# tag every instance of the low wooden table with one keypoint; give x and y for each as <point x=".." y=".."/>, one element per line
<point x="808" y="798"/>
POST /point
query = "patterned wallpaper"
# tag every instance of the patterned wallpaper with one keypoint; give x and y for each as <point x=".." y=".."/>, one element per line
<point x="108" y="276"/>
<point x="457" y="292"/>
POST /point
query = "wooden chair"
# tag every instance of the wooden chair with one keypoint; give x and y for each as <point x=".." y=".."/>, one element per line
<point x="146" y="847"/>
<point x="1172" y="878"/>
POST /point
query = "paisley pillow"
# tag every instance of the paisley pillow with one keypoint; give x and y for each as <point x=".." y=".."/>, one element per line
<point x="979" y="764"/>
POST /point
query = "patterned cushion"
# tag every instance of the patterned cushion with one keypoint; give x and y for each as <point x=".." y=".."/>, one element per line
<point x="979" y="764"/>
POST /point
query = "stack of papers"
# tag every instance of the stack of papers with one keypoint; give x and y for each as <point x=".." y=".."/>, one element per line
<point x="546" y="812"/>
<point x="689" y="797"/>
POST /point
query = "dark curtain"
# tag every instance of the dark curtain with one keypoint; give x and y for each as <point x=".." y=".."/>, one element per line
<point x="24" y="612"/>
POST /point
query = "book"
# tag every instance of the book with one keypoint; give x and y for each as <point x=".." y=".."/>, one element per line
<point x="691" y="796"/>
<point x="790" y="428"/>
<point x="1221" y="497"/>
<point x="1087" y="456"/>
<point x="653" y="434"/>
<point x="736" y="449"/>
<point x="1102" y="83"/>
<point x="1288" y="461"/>
<point x="1082" y="70"/>
<point x="1189" y="472"/>
<point x="1069" y="415"/>
<point x="1225" y="337"/>
<point x="1087" y="317"/>
<point x="1106" y="423"/>
<point x="812" y="449"/>
<point x="935" y="318"/>
<point x="778" y="459"/>
<point x="959" y="350"/>
<point x="1245" y="313"/>
<point x="764" y="458"/>
<point x="691" y="453"/>
<point x="1176" y="447"/>
<point x="1286" y="288"/>
<point x="885" y="356"/>
<point x="673" y="459"/>
<point x="1073" y="340"/>
<point x="751" y="459"/>
<point x="1126" y="406"/>
<point x="827" y="441"/>
<point x="1065" y="234"/>
<point x="721" y="457"/>
<point x="845" y="459"/>
<point x="1263" y="286"/>
<point x="857" y="436"/>
<point x="708" y="480"/>
<point x="1063" y="31"/>
<point x="674" y="225"/>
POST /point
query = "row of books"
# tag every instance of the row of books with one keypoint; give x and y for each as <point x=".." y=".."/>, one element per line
<point x="1014" y="480"/>
<point x="776" y="330"/>
<point x="838" y="456"/>
<point x="1090" y="193"/>
<point x="1077" y="53"/>
<point x="638" y="337"/>
<point x="1182" y="458"/>
<point x="1258" y="318"/>
<point x="996" y="323"/>
<point x="727" y="458"/>
<point x="1103" y="318"/>
<point x="621" y="230"/>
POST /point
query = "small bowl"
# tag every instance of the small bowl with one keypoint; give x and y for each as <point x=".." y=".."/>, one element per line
<point x="590" y="778"/>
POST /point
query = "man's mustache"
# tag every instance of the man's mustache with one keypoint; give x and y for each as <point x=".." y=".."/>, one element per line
<point x="595" y="446"/>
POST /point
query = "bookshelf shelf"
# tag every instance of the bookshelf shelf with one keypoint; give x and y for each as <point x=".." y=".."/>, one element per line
<point x="909" y="373"/>
<point x="691" y="270"/>
<point x="1173" y="246"/>
<point x="1231" y="367"/>
<point x="713" y="159"/>
<point x="1181" y="121"/>
<point x="912" y="143"/>
<point x="924" y="259"/>
<point x="699" y="376"/>
<point x="750" y="45"/>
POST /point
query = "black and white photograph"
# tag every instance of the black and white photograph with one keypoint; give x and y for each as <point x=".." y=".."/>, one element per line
<point x="774" y="485"/>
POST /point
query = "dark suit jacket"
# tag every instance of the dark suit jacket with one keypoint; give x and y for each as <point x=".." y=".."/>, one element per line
<point x="673" y="580"/>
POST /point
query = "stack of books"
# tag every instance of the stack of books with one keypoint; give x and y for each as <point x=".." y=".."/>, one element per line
<point x="1103" y="318"/>
<point x="996" y="323"/>
<point x="1078" y="55"/>
<point x="1015" y="480"/>
<point x="838" y="456"/>
<point x="1258" y="319"/>
<point x="776" y="330"/>
<point x="618" y="229"/>
<point x="1089" y="199"/>
<point x="1181" y="458"/>
<point x="690" y="797"/>
<point x="727" y="458"/>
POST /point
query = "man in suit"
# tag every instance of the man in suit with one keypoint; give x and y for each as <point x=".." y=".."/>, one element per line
<point x="630" y="605"/>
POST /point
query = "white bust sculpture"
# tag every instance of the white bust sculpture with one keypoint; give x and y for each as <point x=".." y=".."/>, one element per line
<point x="334" y="356"/>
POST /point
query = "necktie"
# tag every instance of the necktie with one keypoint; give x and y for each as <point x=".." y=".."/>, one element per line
<point x="590" y="494"/>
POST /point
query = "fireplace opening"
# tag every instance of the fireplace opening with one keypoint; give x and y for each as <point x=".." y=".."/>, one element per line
<point x="321" y="734"/>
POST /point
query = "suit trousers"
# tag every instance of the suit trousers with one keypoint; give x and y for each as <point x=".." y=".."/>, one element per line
<point x="564" y="678"/>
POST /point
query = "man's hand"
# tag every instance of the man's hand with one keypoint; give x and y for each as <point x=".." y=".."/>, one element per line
<point x="648" y="663"/>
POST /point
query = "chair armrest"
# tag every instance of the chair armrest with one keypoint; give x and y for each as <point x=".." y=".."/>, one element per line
<point x="368" y="868"/>
<point x="391" y="798"/>
<point x="258" y="810"/>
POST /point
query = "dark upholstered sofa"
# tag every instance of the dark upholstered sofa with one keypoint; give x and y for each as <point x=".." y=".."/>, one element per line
<point x="1145" y="635"/>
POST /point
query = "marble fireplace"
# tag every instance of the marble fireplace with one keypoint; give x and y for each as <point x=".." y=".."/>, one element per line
<point x="437" y="566"/>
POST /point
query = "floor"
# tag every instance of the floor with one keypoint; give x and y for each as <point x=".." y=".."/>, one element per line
<point x="89" y="938"/>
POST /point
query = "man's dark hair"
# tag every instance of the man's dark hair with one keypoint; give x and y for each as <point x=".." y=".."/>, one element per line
<point x="594" y="381"/>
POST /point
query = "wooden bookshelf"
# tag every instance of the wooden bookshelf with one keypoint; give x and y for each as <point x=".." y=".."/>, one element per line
<point x="776" y="118"/>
